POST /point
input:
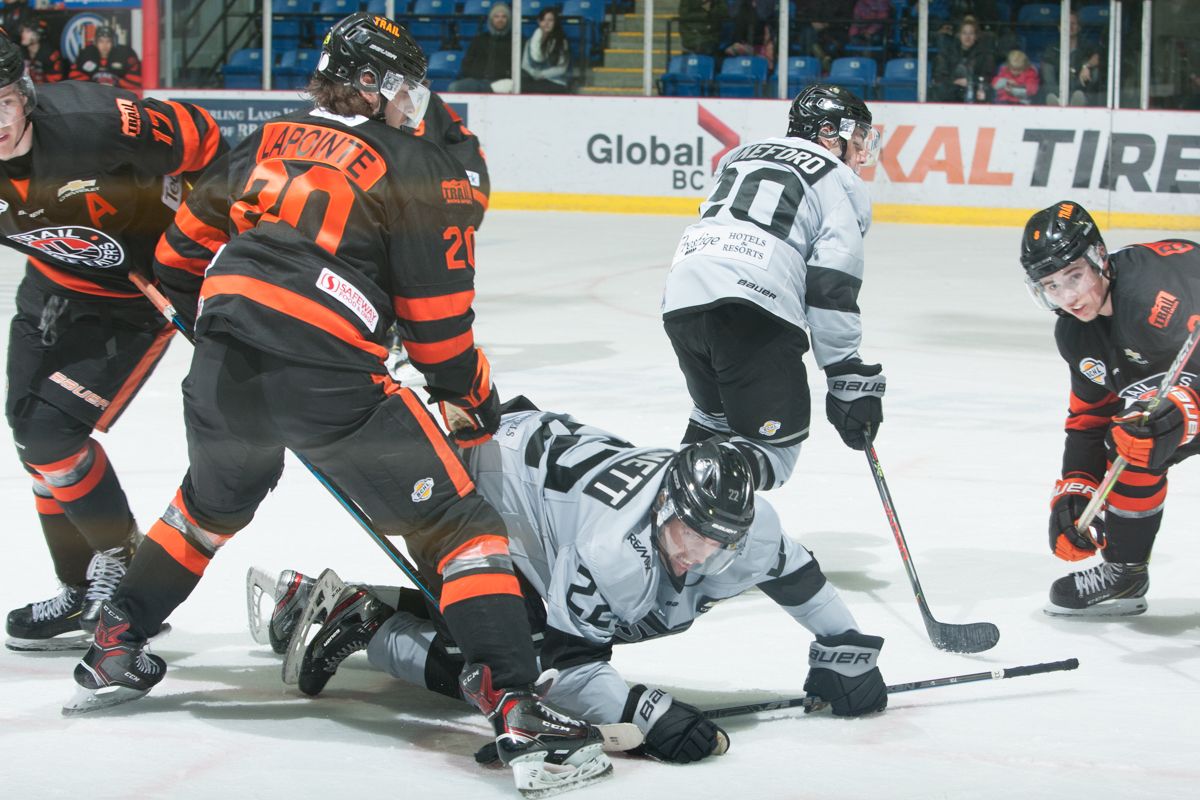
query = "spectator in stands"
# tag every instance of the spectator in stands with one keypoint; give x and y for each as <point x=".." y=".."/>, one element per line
<point x="700" y="24"/>
<point x="751" y="32"/>
<point x="963" y="67"/>
<point x="547" y="58"/>
<point x="1087" y="81"/>
<point x="487" y="66"/>
<point x="820" y="29"/>
<point x="105" y="61"/>
<point x="869" y="18"/>
<point x="1017" y="80"/>
<point x="43" y="61"/>
<point x="11" y="15"/>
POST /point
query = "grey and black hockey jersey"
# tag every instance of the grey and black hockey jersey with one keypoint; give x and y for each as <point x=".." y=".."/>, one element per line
<point x="783" y="229"/>
<point x="576" y="501"/>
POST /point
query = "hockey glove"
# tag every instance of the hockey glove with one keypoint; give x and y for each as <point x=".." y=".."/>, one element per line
<point x="675" y="732"/>
<point x="854" y="404"/>
<point x="842" y="672"/>
<point x="1072" y="493"/>
<point x="1151" y="442"/>
<point x="472" y="425"/>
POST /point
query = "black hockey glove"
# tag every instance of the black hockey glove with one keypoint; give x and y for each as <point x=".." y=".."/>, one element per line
<point x="1072" y="493"/>
<point x="842" y="672"/>
<point x="472" y="425"/>
<point x="1151" y="443"/>
<point x="854" y="404"/>
<point x="675" y="732"/>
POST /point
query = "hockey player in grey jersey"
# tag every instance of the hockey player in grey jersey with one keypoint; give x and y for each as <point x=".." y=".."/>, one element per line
<point x="624" y="544"/>
<point x="778" y="251"/>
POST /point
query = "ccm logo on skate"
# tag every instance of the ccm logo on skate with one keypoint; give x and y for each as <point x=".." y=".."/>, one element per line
<point x="827" y="657"/>
<point x="82" y="392"/>
<point x="422" y="490"/>
<point x="348" y="295"/>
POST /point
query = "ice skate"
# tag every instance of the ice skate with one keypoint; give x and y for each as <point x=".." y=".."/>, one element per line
<point x="113" y="671"/>
<point x="322" y="598"/>
<point x="354" y="619"/>
<point x="1105" y="590"/>
<point x="104" y="572"/>
<point x="49" y="625"/>
<point x="549" y="751"/>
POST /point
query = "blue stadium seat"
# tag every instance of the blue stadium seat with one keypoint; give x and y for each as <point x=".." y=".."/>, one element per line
<point x="742" y="76"/>
<point x="444" y="67"/>
<point x="899" y="81"/>
<point x="801" y="71"/>
<point x="243" y="70"/>
<point x="471" y="19"/>
<point x="592" y="10"/>
<point x="1093" y="16"/>
<point x="687" y="75"/>
<point x="1037" y="25"/>
<point x="854" y="73"/>
<point x="295" y="68"/>
<point x="429" y="22"/>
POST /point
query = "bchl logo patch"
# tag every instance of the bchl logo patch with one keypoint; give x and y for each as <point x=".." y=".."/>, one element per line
<point x="770" y="427"/>
<point x="1094" y="370"/>
<point x="74" y="245"/>
<point x="422" y="490"/>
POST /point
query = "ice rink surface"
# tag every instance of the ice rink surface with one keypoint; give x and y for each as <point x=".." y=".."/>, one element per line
<point x="568" y="311"/>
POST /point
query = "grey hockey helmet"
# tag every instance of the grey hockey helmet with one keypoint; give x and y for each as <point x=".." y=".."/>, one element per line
<point x="709" y="488"/>
<point x="13" y="72"/>
<point x="376" y="55"/>
<point x="1056" y="237"/>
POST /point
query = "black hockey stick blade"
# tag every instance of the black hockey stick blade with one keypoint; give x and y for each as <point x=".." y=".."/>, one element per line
<point x="971" y="637"/>
<point x="812" y="703"/>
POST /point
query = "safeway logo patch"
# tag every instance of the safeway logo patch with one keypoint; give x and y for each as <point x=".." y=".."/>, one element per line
<point x="348" y="295"/>
<point x="74" y="245"/>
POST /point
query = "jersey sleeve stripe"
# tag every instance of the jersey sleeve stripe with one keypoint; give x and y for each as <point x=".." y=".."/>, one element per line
<point x="428" y="309"/>
<point x="832" y="290"/>
<point x="1079" y="405"/>
<point x="168" y="256"/>
<point x="480" y="198"/>
<point x="197" y="151"/>
<point x="294" y="305"/>
<point x="201" y="233"/>
<point x="438" y="352"/>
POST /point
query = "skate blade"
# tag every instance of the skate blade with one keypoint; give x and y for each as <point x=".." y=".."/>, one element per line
<point x="87" y="700"/>
<point x="259" y="584"/>
<point x="1123" y="607"/>
<point x="324" y="595"/>
<point x="80" y="640"/>
<point x="536" y="779"/>
<point x="621" y="736"/>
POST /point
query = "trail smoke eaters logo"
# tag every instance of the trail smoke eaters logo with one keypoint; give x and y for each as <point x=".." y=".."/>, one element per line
<point x="74" y="245"/>
<point x="422" y="490"/>
<point x="1164" y="308"/>
<point x="1094" y="370"/>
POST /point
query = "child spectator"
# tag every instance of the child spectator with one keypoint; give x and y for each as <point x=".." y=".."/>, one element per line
<point x="1017" y="80"/>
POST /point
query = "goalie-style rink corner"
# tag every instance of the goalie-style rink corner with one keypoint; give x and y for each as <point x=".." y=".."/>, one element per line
<point x="567" y="309"/>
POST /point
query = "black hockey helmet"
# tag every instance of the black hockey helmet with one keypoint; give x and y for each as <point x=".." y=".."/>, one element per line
<point x="824" y="111"/>
<point x="13" y="71"/>
<point x="105" y="32"/>
<point x="710" y="488"/>
<point x="363" y="48"/>
<point x="1056" y="236"/>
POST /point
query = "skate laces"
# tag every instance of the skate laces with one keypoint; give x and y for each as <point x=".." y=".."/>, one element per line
<point x="145" y="664"/>
<point x="104" y="572"/>
<point x="1096" y="579"/>
<point x="56" y="606"/>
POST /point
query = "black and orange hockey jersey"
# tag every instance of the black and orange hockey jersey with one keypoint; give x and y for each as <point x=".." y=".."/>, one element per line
<point x="317" y="233"/>
<point x="1119" y="359"/>
<point x="101" y="182"/>
<point x="121" y="67"/>
<point x="443" y="125"/>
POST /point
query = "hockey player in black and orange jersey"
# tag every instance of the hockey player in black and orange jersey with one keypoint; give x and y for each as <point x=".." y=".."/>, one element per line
<point x="443" y="125"/>
<point x="1122" y="319"/>
<point x="330" y="224"/>
<point x="89" y="179"/>
<point x="105" y="61"/>
<point x="43" y="60"/>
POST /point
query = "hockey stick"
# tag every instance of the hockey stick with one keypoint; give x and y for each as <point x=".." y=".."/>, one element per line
<point x="1118" y="466"/>
<point x="165" y="307"/>
<point x="974" y="637"/>
<point x="812" y="703"/>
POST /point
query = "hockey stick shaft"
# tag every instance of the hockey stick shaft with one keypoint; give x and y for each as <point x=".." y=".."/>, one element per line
<point x="810" y="703"/>
<point x="1119" y="464"/>
<point x="889" y="509"/>
<point x="167" y="309"/>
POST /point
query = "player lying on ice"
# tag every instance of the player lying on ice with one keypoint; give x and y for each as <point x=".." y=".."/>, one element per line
<point x="622" y="544"/>
<point x="1123" y="317"/>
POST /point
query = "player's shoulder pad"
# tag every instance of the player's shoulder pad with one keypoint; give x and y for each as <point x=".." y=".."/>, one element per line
<point x="808" y="160"/>
<point x="84" y="116"/>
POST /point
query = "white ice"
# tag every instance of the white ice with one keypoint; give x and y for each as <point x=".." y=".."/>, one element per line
<point x="568" y="310"/>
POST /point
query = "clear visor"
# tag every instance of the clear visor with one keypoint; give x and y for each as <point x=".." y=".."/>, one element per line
<point x="862" y="144"/>
<point x="687" y="552"/>
<point x="1062" y="288"/>
<point x="405" y="99"/>
<point x="17" y="100"/>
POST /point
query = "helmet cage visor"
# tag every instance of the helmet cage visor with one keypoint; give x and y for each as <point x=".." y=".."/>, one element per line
<point x="682" y="544"/>
<point x="865" y="140"/>
<point x="409" y="97"/>
<point x="1051" y="290"/>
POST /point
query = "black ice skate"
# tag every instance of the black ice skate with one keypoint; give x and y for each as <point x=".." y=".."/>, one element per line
<point x="549" y="751"/>
<point x="104" y="572"/>
<point x="115" y="670"/>
<point x="49" y="624"/>
<point x="353" y="620"/>
<point x="1106" y="590"/>
<point x="291" y="594"/>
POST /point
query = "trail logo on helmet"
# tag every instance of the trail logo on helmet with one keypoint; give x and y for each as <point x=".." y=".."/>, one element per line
<point x="75" y="245"/>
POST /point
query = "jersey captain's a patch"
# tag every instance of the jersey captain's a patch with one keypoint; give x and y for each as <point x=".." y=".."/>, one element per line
<point x="1093" y="369"/>
<point x="75" y="245"/>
